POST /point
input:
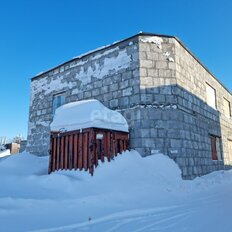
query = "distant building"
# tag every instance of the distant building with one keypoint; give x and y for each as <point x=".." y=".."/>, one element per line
<point x="13" y="147"/>
<point x="174" y="105"/>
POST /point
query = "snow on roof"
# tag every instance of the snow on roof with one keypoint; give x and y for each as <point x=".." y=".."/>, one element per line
<point x="153" y="39"/>
<point x="86" y="114"/>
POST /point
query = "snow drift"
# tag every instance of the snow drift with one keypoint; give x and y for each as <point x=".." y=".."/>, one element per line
<point x="125" y="172"/>
<point x="130" y="193"/>
<point x="4" y="153"/>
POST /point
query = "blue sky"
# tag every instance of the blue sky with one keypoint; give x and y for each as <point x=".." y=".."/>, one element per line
<point x="37" y="35"/>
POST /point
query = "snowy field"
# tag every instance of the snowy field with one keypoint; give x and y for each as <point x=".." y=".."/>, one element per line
<point x="130" y="194"/>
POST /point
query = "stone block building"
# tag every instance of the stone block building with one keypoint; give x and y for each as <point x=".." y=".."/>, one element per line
<point x="174" y="105"/>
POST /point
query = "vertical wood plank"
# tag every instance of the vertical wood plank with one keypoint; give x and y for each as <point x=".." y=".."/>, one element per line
<point x="54" y="155"/>
<point x="121" y="145"/>
<point x="66" y="153"/>
<point x="101" y="144"/>
<point x="91" y="154"/>
<point x="114" y="144"/>
<point x="108" y="145"/>
<point x="111" y="145"/>
<point x="50" y="155"/>
<point x="118" y="146"/>
<point x="70" y="153"/>
<point x="75" y="143"/>
<point x="62" y="153"/>
<point x="98" y="150"/>
<point x="85" y="151"/>
<point x="80" y="153"/>
<point x="104" y="145"/>
<point x="95" y="149"/>
<point x="58" y="154"/>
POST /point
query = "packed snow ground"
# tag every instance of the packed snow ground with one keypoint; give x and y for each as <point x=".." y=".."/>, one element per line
<point x="130" y="194"/>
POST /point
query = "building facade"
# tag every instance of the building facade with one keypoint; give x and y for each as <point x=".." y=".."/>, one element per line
<point x="172" y="103"/>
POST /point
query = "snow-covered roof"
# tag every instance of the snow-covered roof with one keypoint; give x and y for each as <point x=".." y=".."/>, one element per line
<point x="87" y="114"/>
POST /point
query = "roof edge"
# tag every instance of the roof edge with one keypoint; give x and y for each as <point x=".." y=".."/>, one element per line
<point x="127" y="39"/>
<point x="99" y="49"/>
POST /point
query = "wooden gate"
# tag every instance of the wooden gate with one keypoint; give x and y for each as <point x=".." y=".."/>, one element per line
<point x="83" y="149"/>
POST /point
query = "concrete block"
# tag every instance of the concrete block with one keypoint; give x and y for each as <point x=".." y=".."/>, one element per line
<point x="127" y="91"/>
<point x="176" y="143"/>
<point x="161" y="64"/>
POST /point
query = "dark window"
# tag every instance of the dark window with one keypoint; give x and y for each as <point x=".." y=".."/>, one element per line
<point x="215" y="147"/>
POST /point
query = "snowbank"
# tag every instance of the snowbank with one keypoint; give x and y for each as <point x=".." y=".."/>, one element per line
<point x="86" y="114"/>
<point x="125" y="172"/>
<point x="4" y="153"/>
<point x="130" y="193"/>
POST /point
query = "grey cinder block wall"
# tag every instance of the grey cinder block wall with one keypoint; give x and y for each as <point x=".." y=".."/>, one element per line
<point x="160" y="88"/>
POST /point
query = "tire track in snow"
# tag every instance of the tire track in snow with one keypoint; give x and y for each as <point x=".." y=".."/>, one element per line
<point x="133" y="220"/>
